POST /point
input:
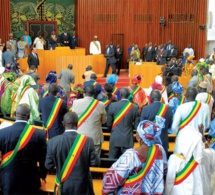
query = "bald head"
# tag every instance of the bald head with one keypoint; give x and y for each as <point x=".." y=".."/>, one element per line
<point x="155" y="95"/>
<point x="124" y="92"/>
<point x="194" y="72"/>
<point x="23" y="112"/>
<point x="191" y="94"/>
<point x="70" y="120"/>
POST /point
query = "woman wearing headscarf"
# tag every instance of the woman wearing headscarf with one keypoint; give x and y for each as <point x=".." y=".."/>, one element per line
<point x="140" y="170"/>
<point x="138" y="94"/>
<point x="107" y="97"/>
<point x="177" y="98"/>
<point x="112" y="79"/>
<point x="6" y="100"/>
<point x="26" y="95"/>
<point x="158" y="84"/>
<point x="51" y="78"/>
<point x="190" y="168"/>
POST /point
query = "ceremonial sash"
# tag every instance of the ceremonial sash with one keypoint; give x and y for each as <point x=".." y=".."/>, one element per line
<point x="122" y="113"/>
<point x="54" y="38"/>
<point x="24" y="89"/>
<point x="163" y="89"/>
<point x="3" y="83"/>
<point x="171" y="96"/>
<point x="45" y="93"/>
<point x="182" y="100"/>
<point x="23" y="140"/>
<point x="7" y="85"/>
<point x="199" y="81"/>
<point x="70" y="161"/>
<point x="151" y="157"/>
<point x="114" y="90"/>
<point x="70" y="108"/>
<point x="191" y="115"/>
<point x="96" y="44"/>
<point x="53" y="114"/>
<point x="108" y="101"/>
<point x="162" y="110"/>
<point x="22" y="43"/>
<point x="94" y="83"/>
<point x="135" y="90"/>
<point x="186" y="171"/>
<point x="208" y="100"/>
<point x="83" y="117"/>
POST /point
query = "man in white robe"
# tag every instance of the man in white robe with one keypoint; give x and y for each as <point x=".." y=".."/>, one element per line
<point x="201" y="117"/>
<point x="198" y="182"/>
<point x="95" y="46"/>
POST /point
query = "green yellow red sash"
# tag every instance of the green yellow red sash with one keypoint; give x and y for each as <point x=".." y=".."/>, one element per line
<point x="114" y="90"/>
<point x="199" y="81"/>
<point x="70" y="161"/>
<point x="45" y="93"/>
<point x="54" y="38"/>
<point x="162" y="110"/>
<point x="182" y="100"/>
<point x="53" y="114"/>
<point x="24" y="89"/>
<point x="70" y="108"/>
<point x="96" y="44"/>
<point x="3" y="83"/>
<point x="186" y="171"/>
<point x="151" y="157"/>
<point x="208" y="100"/>
<point x="23" y="140"/>
<point x="7" y="85"/>
<point x="22" y="43"/>
<point x="94" y="83"/>
<point x="191" y="115"/>
<point x="171" y="96"/>
<point x="163" y="89"/>
<point x="137" y="88"/>
<point x="108" y="101"/>
<point x="83" y="117"/>
<point x="122" y="113"/>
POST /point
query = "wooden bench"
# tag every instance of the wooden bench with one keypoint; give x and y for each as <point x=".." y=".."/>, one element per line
<point x="105" y="146"/>
<point x="50" y="182"/>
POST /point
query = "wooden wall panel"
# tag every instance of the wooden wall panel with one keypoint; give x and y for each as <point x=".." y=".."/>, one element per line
<point x="128" y="17"/>
<point x="5" y="24"/>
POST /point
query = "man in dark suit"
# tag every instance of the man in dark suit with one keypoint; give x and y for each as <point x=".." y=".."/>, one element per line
<point x="162" y="56"/>
<point x="149" y="113"/>
<point x="45" y="107"/>
<point x="144" y="51"/>
<point x="110" y="59"/>
<point x="8" y="58"/>
<point x="118" y="56"/>
<point x="21" y="175"/>
<point x="53" y="41"/>
<point x="172" y="53"/>
<point x="65" y="38"/>
<point x="149" y="53"/>
<point x="73" y="41"/>
<point x="122" y="134"/>
<point x="92" y="81"/>
<point x="33" y="58"/>
<point x="79" y="180"/>
<point x="154" y="53"/>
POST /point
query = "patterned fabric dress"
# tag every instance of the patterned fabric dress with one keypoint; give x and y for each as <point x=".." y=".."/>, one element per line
<point x="130" y="163"/>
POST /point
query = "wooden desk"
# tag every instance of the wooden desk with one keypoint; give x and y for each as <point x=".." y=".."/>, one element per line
<point x="105" y="146"/>
<point x="50" y="183"/>
<point x="149" y="70"/>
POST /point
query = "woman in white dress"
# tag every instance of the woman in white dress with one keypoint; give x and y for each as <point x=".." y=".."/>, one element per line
<point x="39" y="42"/>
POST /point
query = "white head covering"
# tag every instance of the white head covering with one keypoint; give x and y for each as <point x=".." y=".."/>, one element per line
<point x="190" y="143"/>
<point x="158" y="79"/>
<point x="201" y="60"/>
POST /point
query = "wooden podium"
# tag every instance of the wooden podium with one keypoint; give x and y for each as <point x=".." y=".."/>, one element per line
<point x="149" y="70"/>
<point x="61" y="57"/>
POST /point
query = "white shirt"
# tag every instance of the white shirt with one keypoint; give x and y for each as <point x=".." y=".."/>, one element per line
<point x="39" y="43"/>
<point x="198" y="182"/>
<point x="188" y="50"/>
<point x="94" y="49"/>
<point x="203" y="116"/>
